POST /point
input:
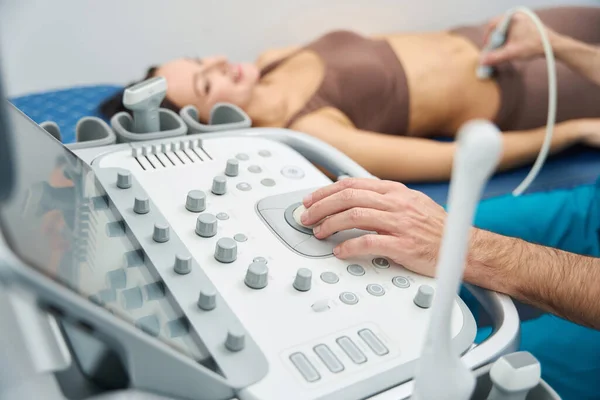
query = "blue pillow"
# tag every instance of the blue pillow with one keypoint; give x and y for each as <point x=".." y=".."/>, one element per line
<point x="65" y="106"/>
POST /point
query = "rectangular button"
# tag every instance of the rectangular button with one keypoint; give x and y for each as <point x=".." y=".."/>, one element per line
<point x="373" y="342"/>
<point x="305" y="367"/>
<point x="351" y="350"/>
<point x="328" y="358"/>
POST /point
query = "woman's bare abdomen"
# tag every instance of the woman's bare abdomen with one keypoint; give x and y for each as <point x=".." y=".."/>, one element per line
<point x="444" y="90"/>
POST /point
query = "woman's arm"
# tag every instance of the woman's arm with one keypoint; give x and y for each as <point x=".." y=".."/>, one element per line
<point x="409" y="159"/>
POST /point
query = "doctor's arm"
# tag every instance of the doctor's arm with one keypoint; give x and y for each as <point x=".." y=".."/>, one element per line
<point x="409" y="228"/>
<point x="410" y="159"/>
<point x="562" y="283"/>
<point x="523" y="42"/>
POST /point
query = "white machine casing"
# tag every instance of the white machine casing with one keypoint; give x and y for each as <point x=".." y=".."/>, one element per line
<point x="356" y="332"/>
<point x="282" y="320"/>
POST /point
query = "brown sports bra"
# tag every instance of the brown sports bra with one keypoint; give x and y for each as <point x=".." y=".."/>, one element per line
<point x="363" y="78"/>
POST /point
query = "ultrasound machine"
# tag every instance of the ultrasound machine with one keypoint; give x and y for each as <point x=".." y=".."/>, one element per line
<point x="172" y="265"/>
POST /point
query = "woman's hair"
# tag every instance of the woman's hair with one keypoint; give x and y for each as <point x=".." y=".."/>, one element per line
<point x="114" y="104"/>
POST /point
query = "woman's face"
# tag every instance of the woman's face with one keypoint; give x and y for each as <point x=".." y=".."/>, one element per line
<point x="205" y="82"/>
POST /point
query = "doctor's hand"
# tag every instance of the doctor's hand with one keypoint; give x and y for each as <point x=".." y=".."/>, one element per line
<point x="409" y="224"/>
<point x="523" y="40"/>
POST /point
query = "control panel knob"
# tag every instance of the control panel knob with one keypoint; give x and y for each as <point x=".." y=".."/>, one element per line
<point x="124" y="180"/>
<point x="226" y="250"/>
<point x="424" y="296"/>
<point x="257" y="275"/>
<point x="196" y="201"/>
<point x="207" y="300"/>
<point x="183" y="264"/>
<point x="161" y="233"/>
<point x="303" y="280"/>
<point x="219" y="185"/>
<point x="141" y="205"/>
<point x="232" y="168"/>
<point x="206" y="225"/>
<point x="235" y="340"/>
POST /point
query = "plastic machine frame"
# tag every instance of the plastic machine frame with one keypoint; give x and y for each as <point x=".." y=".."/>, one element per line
<point x="42" y="297"/>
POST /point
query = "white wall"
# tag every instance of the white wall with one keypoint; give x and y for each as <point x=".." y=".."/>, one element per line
<point x="48" y="44"/>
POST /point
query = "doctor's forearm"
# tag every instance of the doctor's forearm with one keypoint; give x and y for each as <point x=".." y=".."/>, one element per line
<point x="565" y="284"/>
<point x="579" y="56"/>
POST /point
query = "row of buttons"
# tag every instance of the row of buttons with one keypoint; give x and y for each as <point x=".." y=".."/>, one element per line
<point x="353" y="269"/>
<point x="289" y="171"/>
<point x="423" y="298"/>
<point x="246" y="157"/>
<point x="329" y="359"/>
<point x="332" y="278"/>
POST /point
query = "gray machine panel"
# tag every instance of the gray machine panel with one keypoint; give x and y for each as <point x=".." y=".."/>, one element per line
<point x="213" y="327"/>
<point x="60" y="230"/>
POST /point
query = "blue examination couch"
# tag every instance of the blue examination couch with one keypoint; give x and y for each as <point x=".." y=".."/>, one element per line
<point x="576" y="168"/>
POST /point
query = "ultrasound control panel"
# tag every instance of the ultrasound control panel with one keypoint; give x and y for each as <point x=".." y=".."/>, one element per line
<point x="216" y="223"/>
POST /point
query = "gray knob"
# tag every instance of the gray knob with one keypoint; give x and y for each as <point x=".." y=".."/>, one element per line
<point x="183" y="264"/>
<point x="235" y="340"/>
<point x="226" y="250"/>
<point x="207" y="300"/>
<point x="257" y="275"/>
<point x="196" y="201"/>
<point x="232" y="168"/>
<point x="424" y="296"/>
<point x="124" y="180"/>
<point x="303" y="280"/>
<point x="141" y="205"/>
<point x="206" y="225"/>
<point x="513" y="376"/>
<point x="219" y="185"/>
<point x="161" y="233"/>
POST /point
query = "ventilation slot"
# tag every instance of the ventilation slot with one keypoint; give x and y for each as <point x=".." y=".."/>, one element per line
<point x="155" y="157"/>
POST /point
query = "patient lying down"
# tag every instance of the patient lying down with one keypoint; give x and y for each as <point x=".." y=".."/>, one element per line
<point x="380" y="99"/>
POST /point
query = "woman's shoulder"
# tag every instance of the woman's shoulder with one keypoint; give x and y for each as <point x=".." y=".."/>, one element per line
<point x="271" y="55"/>
<point x="325" y="117"/>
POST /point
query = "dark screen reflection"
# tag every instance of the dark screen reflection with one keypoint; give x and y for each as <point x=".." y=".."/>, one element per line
<point x="58" y="221"/>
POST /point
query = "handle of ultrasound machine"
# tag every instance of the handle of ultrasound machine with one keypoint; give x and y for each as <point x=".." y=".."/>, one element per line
<point x="506" y="326"/>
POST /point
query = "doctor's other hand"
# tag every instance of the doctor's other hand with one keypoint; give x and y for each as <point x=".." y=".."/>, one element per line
<point x="523" y="40"/>
<point x="409" y="224"/>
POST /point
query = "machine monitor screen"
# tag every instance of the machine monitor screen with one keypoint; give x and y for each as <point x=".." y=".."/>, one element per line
<point x="58" y="221"/>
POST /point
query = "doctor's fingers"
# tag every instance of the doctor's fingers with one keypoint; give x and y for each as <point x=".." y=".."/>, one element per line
<point x="342" y="201"/>
<point x="371" y="184"/>
<point x="490" y="26"/>
<point x="380" y="245"/>
<point x="357" y="218"/>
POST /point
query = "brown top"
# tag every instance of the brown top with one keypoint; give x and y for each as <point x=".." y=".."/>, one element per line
<point x="363" y="78"/>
